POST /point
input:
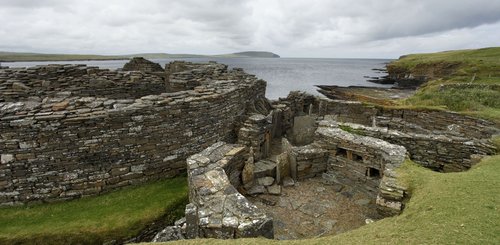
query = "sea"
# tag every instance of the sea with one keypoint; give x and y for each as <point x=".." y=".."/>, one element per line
<point x="282" y="74"/>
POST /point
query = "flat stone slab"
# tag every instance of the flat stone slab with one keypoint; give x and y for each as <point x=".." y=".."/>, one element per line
<point x="274" y="189"/>
<point x="265" y="168"/>
<point x="362" y="202"/>
<point x="265" y="181"/>
<point x="256" y="189"/>
<point x="287" y="182"/>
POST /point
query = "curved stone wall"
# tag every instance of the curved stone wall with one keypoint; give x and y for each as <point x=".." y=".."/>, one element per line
<point x="65" y="147"/>
<point x="36" y="83"/>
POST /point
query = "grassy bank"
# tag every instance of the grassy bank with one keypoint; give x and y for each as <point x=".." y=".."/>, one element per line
<point x="471" y="86"/>
<point x="93" y="220"/>
<point x="451" y="208"/>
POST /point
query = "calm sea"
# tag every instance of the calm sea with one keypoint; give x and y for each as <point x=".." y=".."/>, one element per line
<point x="282" y="75"/>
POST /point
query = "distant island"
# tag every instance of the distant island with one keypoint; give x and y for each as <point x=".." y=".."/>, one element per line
<point x="16" y="56"/>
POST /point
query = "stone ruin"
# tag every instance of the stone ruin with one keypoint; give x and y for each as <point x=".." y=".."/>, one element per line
<point x="144" y="65"/>
<point x="68" y="134"/>
<point x="69" y="131"/>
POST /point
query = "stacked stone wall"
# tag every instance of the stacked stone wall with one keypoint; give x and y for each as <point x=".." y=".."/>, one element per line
<point x="216" y="208"/>
<point x="36" y="83"/>
<point x="441" y="140"/>
<point x="408" y="120"/>
<point x="364" y="160"/>
<point x="66" y="147"/>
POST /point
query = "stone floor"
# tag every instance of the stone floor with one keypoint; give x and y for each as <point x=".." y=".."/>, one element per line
<point x="312" y="209"/>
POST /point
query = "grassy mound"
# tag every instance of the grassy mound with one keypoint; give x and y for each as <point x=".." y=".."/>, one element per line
<point x="451" y="208"/>
<point x="94" y="220"/>
<point x="470" y="86"/>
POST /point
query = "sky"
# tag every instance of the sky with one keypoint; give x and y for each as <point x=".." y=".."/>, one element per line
<point x="290" y="28"/>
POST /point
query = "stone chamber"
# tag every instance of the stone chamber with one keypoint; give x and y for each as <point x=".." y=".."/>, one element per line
<point x="297" y="167"/>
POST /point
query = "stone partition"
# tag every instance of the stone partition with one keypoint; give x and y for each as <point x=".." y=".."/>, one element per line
<point x="217" y="209"/>
<point x="65" y="147"/>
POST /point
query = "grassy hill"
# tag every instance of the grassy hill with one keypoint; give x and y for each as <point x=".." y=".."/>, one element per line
<point x="466" y="81"/>
<point x="14" y="56"/>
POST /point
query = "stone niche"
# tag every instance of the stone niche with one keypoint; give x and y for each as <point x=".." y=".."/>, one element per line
<point x="216" y="208"/>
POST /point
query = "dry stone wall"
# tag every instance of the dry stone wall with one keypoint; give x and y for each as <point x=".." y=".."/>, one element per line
<point x="141" y="64"/>
<point x="217" y="209"/>
<point x="182" y="75"/>
<point x="409" y="120"/>
<point x="364" y="160"/>
<point x="64" y="147"/>
<point x="441" y="140"/>
<point x="39" y="82"/>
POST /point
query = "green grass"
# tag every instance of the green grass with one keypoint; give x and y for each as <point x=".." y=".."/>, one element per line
<point x="352" y="130"/>
<point x="93" y="220"/>
<point x="451" y="208"/>
<point x="479" y="67"/>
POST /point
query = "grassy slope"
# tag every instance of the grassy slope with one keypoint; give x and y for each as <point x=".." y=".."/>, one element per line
<point x="92" y="220"/>
<point x="451" y="208"/>
<point x="480" y="66"/>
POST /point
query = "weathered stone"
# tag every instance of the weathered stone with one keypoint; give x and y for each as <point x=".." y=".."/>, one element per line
<point x="265" y="181"/>
<point x="265" y="168"/>
<point x="170" y="233"/>
<point x="288" y="181"/>
<point x="274" y="189"/>
<point x="257" y="189"/>
<point x="19" y="86"/>
<point x="7" y="158"/>
<point x="60" y="106"/>
<point x="222" y="212"/>
<point x="247" y="175"/>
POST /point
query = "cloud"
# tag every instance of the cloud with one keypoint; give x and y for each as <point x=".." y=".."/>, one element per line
<point x="320" y="28"/>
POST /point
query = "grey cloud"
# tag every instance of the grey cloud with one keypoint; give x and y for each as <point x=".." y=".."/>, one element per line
<point x="289" y="27"/>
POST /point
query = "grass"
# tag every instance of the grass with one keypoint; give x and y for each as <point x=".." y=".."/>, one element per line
<point x="352" y="130"/>
<point x="480" y="68"/>
<point x="451" y="208"/>
<point x="93" y="220"/>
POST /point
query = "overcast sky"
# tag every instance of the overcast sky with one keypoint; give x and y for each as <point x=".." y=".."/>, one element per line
<point x="290" y="28"/>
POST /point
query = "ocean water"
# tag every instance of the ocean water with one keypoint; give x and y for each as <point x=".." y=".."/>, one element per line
<point x="282" y="74"/>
